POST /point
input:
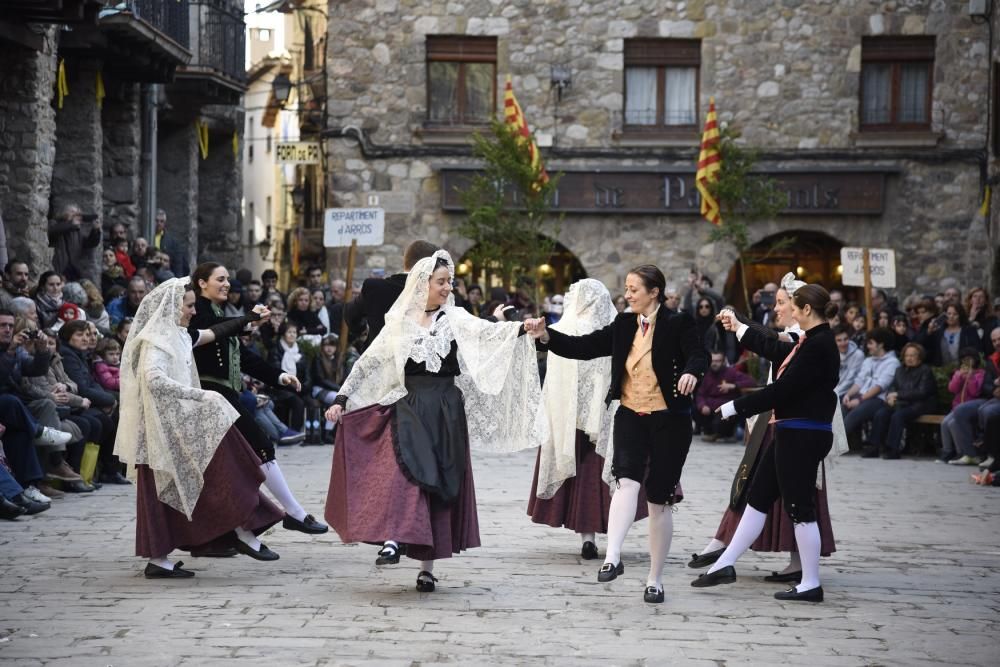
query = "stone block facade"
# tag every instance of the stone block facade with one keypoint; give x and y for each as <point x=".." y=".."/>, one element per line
<point x="121" y="124"/>
<point x="787" y="74"/>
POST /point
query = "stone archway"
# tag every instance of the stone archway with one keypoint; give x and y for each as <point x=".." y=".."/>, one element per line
<point x="561" y="270"/>
<point x="813" y="256"/>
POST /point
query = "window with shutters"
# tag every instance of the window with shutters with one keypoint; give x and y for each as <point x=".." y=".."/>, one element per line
<point x="661" y="85"/>
<point x="461" y="80"/>
<point x="897" y="75"/>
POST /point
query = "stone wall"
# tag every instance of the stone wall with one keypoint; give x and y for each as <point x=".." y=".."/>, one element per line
<point x="177" y="184"/>
<point x="121" y="121"/>
<point x="27" y="148"/>
<point x="787" y="74"/>
<point x="219" y="217"/>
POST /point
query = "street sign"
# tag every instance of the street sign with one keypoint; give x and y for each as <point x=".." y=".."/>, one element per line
<point x="343" y="225"/>
<point x="298" y="152"/>
<point x="882" y="267"/>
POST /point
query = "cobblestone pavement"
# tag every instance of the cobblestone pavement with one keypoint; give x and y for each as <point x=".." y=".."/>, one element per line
<point x="915" y="580"/>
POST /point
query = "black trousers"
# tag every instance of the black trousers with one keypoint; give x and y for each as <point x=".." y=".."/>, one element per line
<point x="653" y="446"/>
<point x="714" y="424"/>
<point x="788" y="471"/>
<point x="259" y="442"/>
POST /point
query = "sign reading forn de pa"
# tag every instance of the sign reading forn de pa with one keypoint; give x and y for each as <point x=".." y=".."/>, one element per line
<point x="298" y="152"/>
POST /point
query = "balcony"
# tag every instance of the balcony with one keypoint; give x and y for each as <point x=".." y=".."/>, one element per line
<point x="217" y="71"/>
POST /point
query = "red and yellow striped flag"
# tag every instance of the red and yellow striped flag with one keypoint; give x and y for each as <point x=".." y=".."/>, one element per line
<point x="514" y="117"/>
<point x="709" y="164"/>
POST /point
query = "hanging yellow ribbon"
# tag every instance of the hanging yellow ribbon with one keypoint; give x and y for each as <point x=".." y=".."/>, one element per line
<point x="236" y="145"/>
<point x="99" y="90"/>
<point x="62" y="88"/>
<point x="202" y="129"/>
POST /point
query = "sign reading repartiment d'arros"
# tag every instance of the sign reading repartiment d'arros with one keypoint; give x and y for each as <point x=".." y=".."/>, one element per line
<point x="674" y="193"/>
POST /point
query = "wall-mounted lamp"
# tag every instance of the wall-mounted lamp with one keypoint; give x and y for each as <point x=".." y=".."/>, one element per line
<point x="281" y="86"/>
<point x="561" y="79"/>
<point x="298" y="198"/>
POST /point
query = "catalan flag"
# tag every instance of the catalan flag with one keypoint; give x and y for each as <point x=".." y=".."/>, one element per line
<point x="709" y="164"/>
<point x="514" y="117"/>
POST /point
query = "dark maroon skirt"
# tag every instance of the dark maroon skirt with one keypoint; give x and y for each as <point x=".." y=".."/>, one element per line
<point x="779" y="531"/>
<point x="581" y="504"/>
<point x="231" y="497"/>
<point x="371" y="500"/>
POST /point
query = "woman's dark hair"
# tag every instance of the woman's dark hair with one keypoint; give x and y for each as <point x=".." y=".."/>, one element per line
<point x="818" y="298"/>
<point x="285" y="326"/>
<point x="473" y="286"/>
<point x="67" y="330"/>
<point x="970" y="353"/>
<point x="899" y="317"/>
<point x="441" y="261"/>
<point x="843" y="329"/>
<point x="269" y="274"/>
<point x="881" y="335"/>
<point x="709" y="302"/>
<point x="652" y="277"/>
<point x="921" y="352"/>
<point x="963" y="317"/>
<point x="929" y="304"/>
<point x="44" y="278"/>
<point x="202" y="272"/>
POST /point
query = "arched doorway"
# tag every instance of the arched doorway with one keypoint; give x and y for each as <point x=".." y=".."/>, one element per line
<point x="813" y="256"/>
<point x="554" y="276"/>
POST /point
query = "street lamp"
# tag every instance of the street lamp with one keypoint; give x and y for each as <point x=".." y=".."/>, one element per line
<point x="298" y="198"/>
<point x="281" y="86"/>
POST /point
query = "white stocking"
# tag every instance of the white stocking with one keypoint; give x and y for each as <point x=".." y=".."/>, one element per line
<point x="808" y="540"/>
<point x="621" y="514"/>
<point x="588" y="537"/>
<point x="750" y="527"/>
<point x="247" y="538"/>
<point x="427" y="565"/>
<point x="714" y="545"/>
<point x="661" y="531"/>
<point x="163" y="562"/>
<point x="276" y="484"/>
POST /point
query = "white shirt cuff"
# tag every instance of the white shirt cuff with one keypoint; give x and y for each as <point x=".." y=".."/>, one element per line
<point x="742" y="329"/>
<point x="728" y="409"/>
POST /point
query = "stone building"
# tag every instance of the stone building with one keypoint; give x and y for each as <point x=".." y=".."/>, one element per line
<point x="121" y="141"/>
<point x="872" y="115"/>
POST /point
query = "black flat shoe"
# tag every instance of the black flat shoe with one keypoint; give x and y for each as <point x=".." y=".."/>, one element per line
<point x="308" y="525"/>
<point x="263" y="554"/>
<point x="726" y="575"/>
<point x="157" y="572"/>
<point x="77" y="486"/>
<point x="784" y="577"/>
<point x="30" y="506"/>
<point x="425" y="582"/>
<point x="225" y="552"/>
<point x="610" y="572"/>
<point x="589" y="551"/>
<point x="792" y="595"/>
<point x="113" y="478"/>
<point x="869" y="452"/>
<point x="699" y="561"/>
<point x="389" y="554"/>
<point x="653" y="595"/>
<point x="10" y="511"/>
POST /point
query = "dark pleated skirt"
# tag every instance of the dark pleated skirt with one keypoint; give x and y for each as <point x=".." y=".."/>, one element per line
<point x="779" y="531"/>
<point x="371" y="499"/>
<point x="231" y="497"/>
<point x="581" y="504"/>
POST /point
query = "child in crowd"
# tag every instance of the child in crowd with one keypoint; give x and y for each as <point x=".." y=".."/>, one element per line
<point x="860" y="326"/>
<point x="106" y="365"/>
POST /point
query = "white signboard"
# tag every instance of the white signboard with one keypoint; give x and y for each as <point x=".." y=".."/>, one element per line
<point x="297" y="152"/>
<point x="881" y="264"/>
<point x="342" y="225"/>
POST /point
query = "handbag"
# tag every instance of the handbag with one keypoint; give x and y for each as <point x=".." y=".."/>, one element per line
<point x="754" y="439"/>
<point x="88" y="462"/>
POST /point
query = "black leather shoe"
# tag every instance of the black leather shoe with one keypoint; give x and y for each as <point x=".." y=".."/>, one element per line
<point x="389" y="554"/>
<point x="589" y="551"/>
<point x="113" y="478"/>
<point x="425" y="582"/>
<point x="869" y="452"/>
<point x="653" y="595"/>
<point x="157" y="572"/>
<point x="891" y="455"/>
<point x="784" y="577"/>
<point x="308" y="525"/>
<point x="699" y="561"/>
<point x="226" y="552"/>
<point x="77" y="486"/>
<point x="28" y="505"/>
<point x="726" y="575"/>
<point x="610" y="572"/>
<point x="263" y="554"/>
<point x="792" y="595"/>
<point x="10" y="511"/>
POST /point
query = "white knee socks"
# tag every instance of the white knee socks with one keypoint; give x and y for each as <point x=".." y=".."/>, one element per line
<point x="714" y="545"/>
<point x="750" y="527"/>
<point x="247" y="538"/>
<point x="163" y="562"/>
<point x="588" y="537"/>
<point x="276" y="484"/>
<point x="621" y="514"/>
<point x="427" y="565"/>
<point x="808" y="540"/>
<point x="661" y="531"/>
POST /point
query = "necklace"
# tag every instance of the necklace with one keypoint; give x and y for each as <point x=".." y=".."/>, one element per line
<point x="432" y="309"/>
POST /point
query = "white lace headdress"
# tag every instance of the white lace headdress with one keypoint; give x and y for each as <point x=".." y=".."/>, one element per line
<point x="166" y="421"/>
<point x="574" y="391"/>
<point x="499" y="370"/>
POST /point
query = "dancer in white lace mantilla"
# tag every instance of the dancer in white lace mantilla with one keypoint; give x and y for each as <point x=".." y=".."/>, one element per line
<point x="435" y="380"/>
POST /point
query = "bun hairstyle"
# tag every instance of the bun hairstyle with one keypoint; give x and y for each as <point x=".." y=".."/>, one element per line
<point x="202" y="272"/>
<point x="818" y="298"/>
<point x="651" y="277"/>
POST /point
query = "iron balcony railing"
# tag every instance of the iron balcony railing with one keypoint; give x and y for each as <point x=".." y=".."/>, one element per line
<point x="171" y="17"/>
<point x="221" y="40"/>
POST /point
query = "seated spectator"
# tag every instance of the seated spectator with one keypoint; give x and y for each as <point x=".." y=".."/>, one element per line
<point x="262" y="408"/>
<point x="989" y="412"/>
<point x="15" y="283"/>
<point x="22" y="434"/>
<point x="234" y="300"/>
<point x="287" y="356"/>
<point x="127" y="305"/>
<point x="474" y="300"/>
<point x="851" y="358"/>
<point x="140" y="253"/>
<point x="949" y="334"/>
<point x="884" y="319"/>
<point x="68" y="313"/>
<point x="48" y="298"/>
<point x="860" y="335"/>
<point x="323" y="380"/>
<point x="93" y="306"/>
<point x="314" y="282"/>
<point x="112" y="273"/>
<point x="147" y="274"/>
<point x="159" y="264"/>
<point x="300" y="314"/>
<point x="268" y="331"/>
<point x="968" y="385"/>
<point x="900" y="333"/>
<point x="868" y="393"/>
<point x="252" y="294"/>
<point x="108" y="356"/>
<point x="121" y="331"/>
<point x="977" y="306"/>
<point x="13" y="502"/>
<point x="925" y="310"/>
<point x="123" y="258"/>
<point x="317" y="304"/>
<point x="721" y="384"/>
<point x="269" y="283"/>
<point x="849" y="313"/>
<point x="620" y="303"/>
<point x="914" y="393"/>
<point x="951" y="295"/>
<point x="24" y="308"/>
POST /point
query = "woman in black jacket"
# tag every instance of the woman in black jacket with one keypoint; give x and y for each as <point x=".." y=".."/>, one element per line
<point x="914" y="393"/>
<point x="804" y="402"/>
<point x="657" y="358"/>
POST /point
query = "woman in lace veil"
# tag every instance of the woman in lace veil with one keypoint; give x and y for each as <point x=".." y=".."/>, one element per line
<point x="433" y="382"/>
<point x="198" y="479"/>
<point x="779" y="531"/>
<point x="568" y="489"/>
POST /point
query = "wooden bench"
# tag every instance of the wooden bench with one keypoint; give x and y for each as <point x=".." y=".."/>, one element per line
<point x="924" y="435"/>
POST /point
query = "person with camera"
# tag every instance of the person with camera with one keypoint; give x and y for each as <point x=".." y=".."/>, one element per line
<point x="699" y="287"/>
<point x="763" y="311"/>
<point x="71" y="235"/>
<point x="948" y="334"/>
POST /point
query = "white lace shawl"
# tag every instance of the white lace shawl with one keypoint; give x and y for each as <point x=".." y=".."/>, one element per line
<point x="574" y="391"/>
<point x="166" y="421"/>
<point x="499" y="369"/>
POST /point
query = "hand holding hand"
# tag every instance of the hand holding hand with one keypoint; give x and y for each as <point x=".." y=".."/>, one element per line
<point x="728" y="319"/>
<point x="335" y="413"/>
<point x="262" y="310"/>
<point x="686" y="384"/>
<point x="890" y="398"/>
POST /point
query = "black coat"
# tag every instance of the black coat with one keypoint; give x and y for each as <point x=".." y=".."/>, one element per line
<point x="377" y="297"/>
<point x="213" y="359"/>
<point x="805" y="389"/>
<point x="916" y="387"/>
<point x="78" y="369"/>
<point x="677" y="349"/>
